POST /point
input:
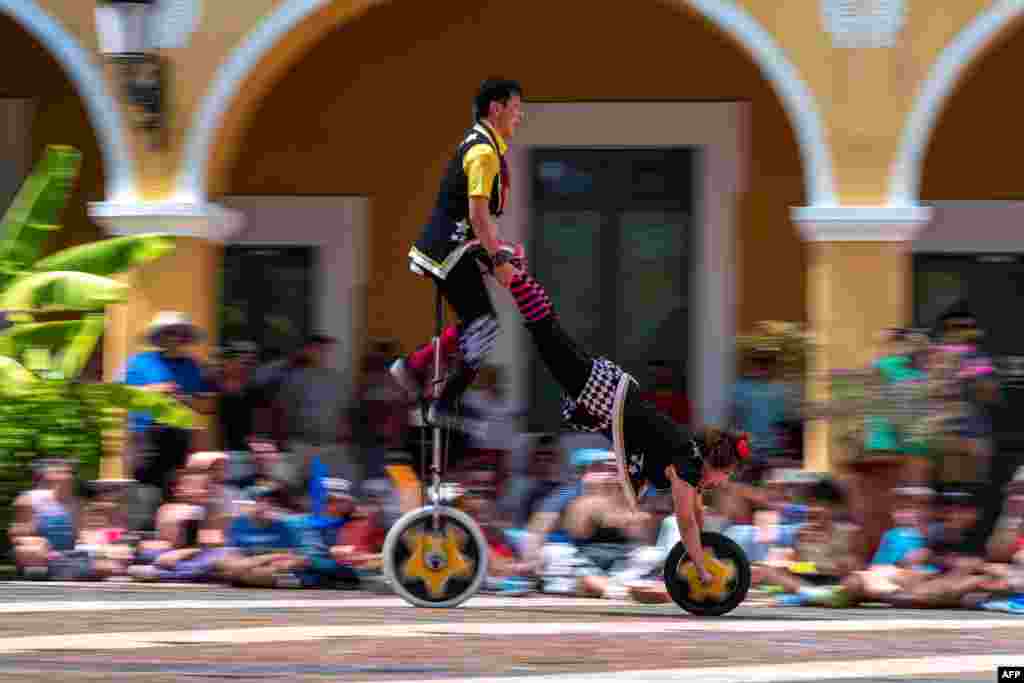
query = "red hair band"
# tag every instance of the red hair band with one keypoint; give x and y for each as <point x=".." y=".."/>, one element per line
<point x="743" y="448"/>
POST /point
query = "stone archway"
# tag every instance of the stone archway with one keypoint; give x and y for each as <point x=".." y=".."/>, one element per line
<point x="942" y="84"/>
<point x="91" y="86"/>
<point x="259" y="47"/>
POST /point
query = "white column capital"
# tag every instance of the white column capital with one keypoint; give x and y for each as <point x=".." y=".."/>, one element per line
<point x="205" y="220"/>
<point x="860" y="223"/>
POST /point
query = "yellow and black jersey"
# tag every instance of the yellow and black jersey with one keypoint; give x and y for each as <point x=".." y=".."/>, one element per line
<point x="476" y="170"/>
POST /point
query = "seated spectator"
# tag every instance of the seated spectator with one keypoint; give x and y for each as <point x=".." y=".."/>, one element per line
<point x="822" y="554"/>
<point x="320" y="533"/>
<point x="545" y="526"/>
<point x="775" y="516"/>
<point x="527" y="493"/>
<point x="271" y="473"/>
<point x="604" y="530"/>
<point x="1007" y="542"/>
<point x="222" y="497"/>
<point x="45" y="526"/>
<point x="1005" y="592"/>
<point x="190" y="545"/>
<point x="101" y="537"/>
<point x="478" y="500"/>
<point x="263" y="545"/>
<point x="946" y="573"/>
<point x="361" y="543"/>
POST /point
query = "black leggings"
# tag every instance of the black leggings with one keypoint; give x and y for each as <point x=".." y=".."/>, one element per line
<point x="649" y="434"/>
<point x="465" y="291"/>
<point x="569" y="364"/>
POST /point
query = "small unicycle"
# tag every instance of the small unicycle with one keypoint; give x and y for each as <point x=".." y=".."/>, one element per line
<point x="435" y="556"/>
<point x="730" y="573"/>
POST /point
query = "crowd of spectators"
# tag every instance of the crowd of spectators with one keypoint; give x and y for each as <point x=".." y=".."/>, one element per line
<point x="312" y="468"/>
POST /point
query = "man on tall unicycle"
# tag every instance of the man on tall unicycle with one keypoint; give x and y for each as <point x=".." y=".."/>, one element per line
<point x="459" y="243"/>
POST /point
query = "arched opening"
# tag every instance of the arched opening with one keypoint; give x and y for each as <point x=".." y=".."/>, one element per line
<point x="972" y="255"/>
<point x="44" y="107"/>
<point x="975" y="151"/>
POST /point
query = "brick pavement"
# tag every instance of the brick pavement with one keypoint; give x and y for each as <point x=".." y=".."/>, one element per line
<point x="163" y="633"/>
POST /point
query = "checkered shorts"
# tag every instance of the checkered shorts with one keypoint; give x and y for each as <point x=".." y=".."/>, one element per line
<point x="592" y="410"/>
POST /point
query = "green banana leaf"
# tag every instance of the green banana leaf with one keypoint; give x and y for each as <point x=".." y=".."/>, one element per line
<point x="110" y="256"/>
<point x="163" y="409"/>
<point x="35" y="212"/>
<point x="77" y="354"/>
<point x="54" y="336"/>
<point x="62" y="291"/>
<point x="15" y="379"/>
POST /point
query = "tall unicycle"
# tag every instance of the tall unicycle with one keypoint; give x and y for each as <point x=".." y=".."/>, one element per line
<point x="435" y="556"/>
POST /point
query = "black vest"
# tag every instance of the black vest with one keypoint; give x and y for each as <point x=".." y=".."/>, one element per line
<point x="444" y="237"/>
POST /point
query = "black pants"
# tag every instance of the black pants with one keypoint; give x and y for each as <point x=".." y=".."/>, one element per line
<point x="651" y="437"/>
<point x="465" y="291"/>
<point x="569" y="363"/>
<point x="159" y="453"/>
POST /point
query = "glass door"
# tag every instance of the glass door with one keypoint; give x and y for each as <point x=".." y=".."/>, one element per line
<point x="611" y="241"/>
<point x="268" y="296"/>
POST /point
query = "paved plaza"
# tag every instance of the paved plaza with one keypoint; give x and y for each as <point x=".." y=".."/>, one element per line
<point x="122" y="632"/>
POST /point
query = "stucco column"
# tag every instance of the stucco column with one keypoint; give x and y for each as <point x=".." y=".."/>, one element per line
<point x="185" y="280"/>
<point x="858" y="282"/>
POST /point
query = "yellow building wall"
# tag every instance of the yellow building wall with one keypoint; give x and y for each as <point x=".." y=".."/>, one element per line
<point x="376" y="108"/>
<point x="864" y="95"/>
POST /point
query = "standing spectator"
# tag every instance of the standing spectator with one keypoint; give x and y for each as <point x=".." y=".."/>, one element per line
<point x="895" y="452"/>
<point x="380" y="420"/>
<point x="160" y="450"/>
<point x="487" y="403"/>
<point x="761" y="404"/>
<point x="238" y="396"/>
<point x="314" y="401"/>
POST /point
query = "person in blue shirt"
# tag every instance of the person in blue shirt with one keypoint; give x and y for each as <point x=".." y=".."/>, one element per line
<point x="264" y="544"/>
<point x="159" y="450"/>
<point x="318" y="534"/>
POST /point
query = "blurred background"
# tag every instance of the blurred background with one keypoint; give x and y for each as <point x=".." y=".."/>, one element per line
<point x="799" y="222"/>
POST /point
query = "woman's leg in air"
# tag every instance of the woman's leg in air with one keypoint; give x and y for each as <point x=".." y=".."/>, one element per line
<point x="569" y="364"/>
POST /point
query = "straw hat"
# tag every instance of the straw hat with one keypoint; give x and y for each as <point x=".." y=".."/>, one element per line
<point x="172" y="320"/>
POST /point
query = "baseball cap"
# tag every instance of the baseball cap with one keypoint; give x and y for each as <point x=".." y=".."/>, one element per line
<point x="585" y="457"/>
<point x="260" y="492"/>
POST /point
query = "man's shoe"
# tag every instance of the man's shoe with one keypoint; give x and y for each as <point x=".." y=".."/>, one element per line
<point x="406" y="378"/>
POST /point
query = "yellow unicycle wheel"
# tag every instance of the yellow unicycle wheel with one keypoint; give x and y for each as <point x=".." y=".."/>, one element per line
<point x="730" y="577"/>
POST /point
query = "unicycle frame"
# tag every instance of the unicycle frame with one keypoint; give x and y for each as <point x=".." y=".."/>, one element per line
<point x="434" y="495"/>
<point x="434" y="514"/>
